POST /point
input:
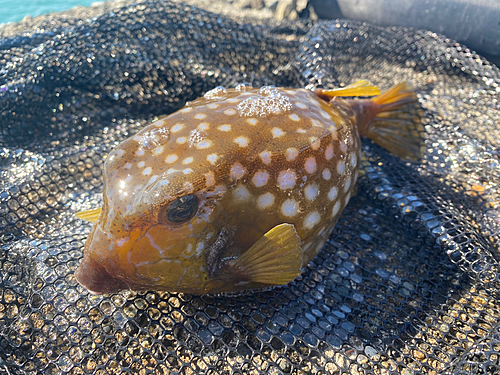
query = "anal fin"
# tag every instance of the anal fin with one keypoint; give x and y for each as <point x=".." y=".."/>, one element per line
<point x="90" y="215"/>
<point x="275" y="259"/>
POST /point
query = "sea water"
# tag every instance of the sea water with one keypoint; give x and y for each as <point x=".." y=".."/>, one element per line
<point x="16" y="10"/>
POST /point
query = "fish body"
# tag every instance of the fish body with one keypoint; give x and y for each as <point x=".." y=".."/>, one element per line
<point x="238" y="190"/>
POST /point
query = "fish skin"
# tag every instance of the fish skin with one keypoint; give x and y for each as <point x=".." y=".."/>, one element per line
<point x="249" y="174"/>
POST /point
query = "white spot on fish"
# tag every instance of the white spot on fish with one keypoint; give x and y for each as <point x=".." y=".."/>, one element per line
<point x="237" y="171"/>
<point x="347" y="185"/>
<point x="291" y="153"/>
<point x="119" y="152"/>
<point x="196" y="136"/>
<point x="311" y="191"/>
<point x="266" y="157"/>
<point x="310" y="165"/>
<point x="181" y="140"/>
<point x="341" y="167"/>
<point x="213" y="106"/>
<point x="159" y="123"/>
<point x="200" y="116"/>
<point x="252" y="121"/>
<point x="172" y="158"/>
<point x="265" y="201"/>
<point x="224" y="128"/>
<point x="286" y="179"/>
<point x="329" y="152"/>
<point x="242" y="141"/>
<point x="316" y="123"/>
<point x="354" y="160"/>
<point x="187" y="171"/>
<point x="146" y="171"/>
<point x="277" y="132"/>
<point x="229" y="112"/>
<point x="199" y="248"/>
<point x="140" y="152"/>
<point x="212" y="158"/>
<point x="188" y="186"/>
<point x="187" y="109"/>
<point x="326" y="174"/>
<point x="318" y="248"/>
<point x="141" y="164"/>
<point x="260" y="178"/>
<point x="289" y="208"/>
<point x="188" y="252"/>
<point x="336" y="209"/>
<point x="210" y="179"/>
<point x="301" y="105"/>
<point x="343" y="146"/>
<point x="203" y="126"/>
<point x="332" y="194"/>
<point x="188" y="160"/>
<point x="315" y="143"/>
<point x="347" y="198"/>
<point x="207" y="143"/>
<point x="158" y="150"/>
<point x="333" y="131"/>
<point x="241" y="194"/>
<point x="294" y="117"/>
<point x="312" y="219"/>
<point x="127" y="166"/>
<point x="301" y="131"/>
<point x="177" y="128"/>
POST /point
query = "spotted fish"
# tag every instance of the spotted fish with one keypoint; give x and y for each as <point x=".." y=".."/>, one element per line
<point x="238" y="190"/>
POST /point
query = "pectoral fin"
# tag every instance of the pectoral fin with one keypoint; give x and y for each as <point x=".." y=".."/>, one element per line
<point x="90" y="215"/>
<point x="276" y="258"/>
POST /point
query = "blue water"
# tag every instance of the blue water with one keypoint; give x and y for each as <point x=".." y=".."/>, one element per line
<point x="15" y="10"/>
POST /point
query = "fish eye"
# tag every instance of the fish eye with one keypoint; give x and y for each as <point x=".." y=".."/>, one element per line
<point x="181" y="210"/>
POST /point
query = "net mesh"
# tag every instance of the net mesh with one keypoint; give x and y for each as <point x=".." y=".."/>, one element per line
<point x="408" y="282"/>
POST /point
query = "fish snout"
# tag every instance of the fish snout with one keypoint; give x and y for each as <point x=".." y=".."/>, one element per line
<point x="95" y="272"/>
<point x="93" y="277"/>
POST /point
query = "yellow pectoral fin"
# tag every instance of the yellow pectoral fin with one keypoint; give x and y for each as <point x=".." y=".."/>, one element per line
<point x="359" y="88"/>
<point x="276" y="258"/>
<point x="90" y="215"/>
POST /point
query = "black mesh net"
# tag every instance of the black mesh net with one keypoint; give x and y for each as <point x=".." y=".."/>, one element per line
<point x="408" y="283"/>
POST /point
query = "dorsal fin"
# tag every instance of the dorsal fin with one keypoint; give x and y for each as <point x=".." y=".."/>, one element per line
<point x="359" y="88"/>
<point x="89" y="215"/>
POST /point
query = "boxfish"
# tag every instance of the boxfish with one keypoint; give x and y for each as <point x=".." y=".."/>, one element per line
<point x="240" y="189"/>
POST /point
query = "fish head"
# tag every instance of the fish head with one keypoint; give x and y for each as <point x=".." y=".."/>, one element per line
<point x="159" y="215"/>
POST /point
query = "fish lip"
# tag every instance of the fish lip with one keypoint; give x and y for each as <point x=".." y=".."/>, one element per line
<point x="96" y="279"/>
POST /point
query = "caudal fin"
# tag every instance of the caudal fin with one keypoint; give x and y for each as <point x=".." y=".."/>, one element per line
<point x="397" y="125"/>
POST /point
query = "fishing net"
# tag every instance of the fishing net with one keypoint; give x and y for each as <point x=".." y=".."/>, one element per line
<point x="408" y="282"/>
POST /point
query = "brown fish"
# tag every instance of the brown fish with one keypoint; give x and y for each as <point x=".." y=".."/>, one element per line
<point x="238" y="190"/>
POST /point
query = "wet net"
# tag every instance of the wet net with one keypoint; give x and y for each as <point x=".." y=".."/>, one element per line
<point x="408" y="282"/>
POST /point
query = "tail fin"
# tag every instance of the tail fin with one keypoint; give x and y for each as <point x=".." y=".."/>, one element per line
<point x="397" y="125"/>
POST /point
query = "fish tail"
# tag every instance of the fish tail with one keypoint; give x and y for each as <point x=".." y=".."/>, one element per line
<point x="393" y="120"/>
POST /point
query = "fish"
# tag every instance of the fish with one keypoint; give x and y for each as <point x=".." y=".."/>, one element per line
<point x="240" y="189"/>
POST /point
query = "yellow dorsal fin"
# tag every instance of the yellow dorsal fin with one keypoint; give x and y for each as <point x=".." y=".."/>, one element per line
<point x="90" y="215"/>
<point x="359" y="88"/>
<point x="276" y="258"/>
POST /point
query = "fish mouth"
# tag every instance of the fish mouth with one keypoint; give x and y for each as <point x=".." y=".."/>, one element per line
<point x="94" y="277"/>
